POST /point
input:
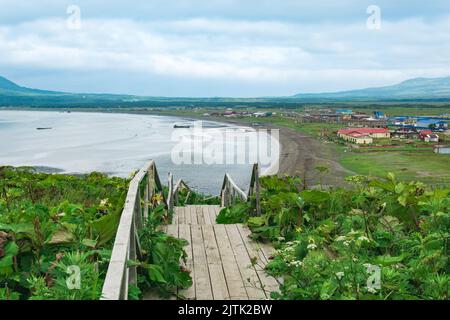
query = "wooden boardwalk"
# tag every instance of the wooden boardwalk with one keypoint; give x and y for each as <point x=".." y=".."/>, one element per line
<point x="220" y="257"/>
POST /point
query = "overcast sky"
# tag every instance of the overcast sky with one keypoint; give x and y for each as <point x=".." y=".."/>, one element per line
<point x="235" y="48"/>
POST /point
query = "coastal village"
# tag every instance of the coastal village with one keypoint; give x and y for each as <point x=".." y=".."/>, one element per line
<point x="363" y="130"/>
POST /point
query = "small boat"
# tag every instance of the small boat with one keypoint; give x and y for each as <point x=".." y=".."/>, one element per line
<point x="179" y="126"/>
<point x="44" y="128"/>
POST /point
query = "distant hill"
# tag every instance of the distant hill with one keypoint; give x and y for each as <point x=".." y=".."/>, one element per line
<point x="418" y="88"/>
<point x="14" y="95"/>
<point x="11" y="94"/>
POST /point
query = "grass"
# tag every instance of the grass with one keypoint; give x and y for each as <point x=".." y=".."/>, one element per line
<point x="423" y="166"/>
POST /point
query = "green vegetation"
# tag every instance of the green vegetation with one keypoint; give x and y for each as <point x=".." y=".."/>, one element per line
<point x="330" y="242"/>
<point x="187" y="196"/>
<point x="425" y="166"/>
<point x="160" y="267"/>
<point x="52" y="224"/>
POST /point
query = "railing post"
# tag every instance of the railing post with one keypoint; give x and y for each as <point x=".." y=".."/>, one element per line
<point x="146" y="198"/>
<point x="170" y="195"/>
<point x="138" y="210"/>
<point x="257" y="189"/>
<point x="150" y="186"/>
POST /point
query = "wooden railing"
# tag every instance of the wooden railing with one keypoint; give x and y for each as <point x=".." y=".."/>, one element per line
<point x="231" y="193"/>
<point x="172" y="198"/>
<point x="145" y="191"/>
<point x="254" y="189"/>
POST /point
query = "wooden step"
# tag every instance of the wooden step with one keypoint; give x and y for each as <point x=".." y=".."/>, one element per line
<point x="219" y="257"/>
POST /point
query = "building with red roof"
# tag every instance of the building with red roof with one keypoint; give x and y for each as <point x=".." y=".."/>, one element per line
<point x="428" y="136"/>
<point x="363" y="135"/>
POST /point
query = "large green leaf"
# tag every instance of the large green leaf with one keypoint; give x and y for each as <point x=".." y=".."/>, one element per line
<point x="6" y="262"/>
<point x="314" y="196"/>
<point x="27" y="228"/>
<point x="155" y="273"/>
<point x="106" y="227"/>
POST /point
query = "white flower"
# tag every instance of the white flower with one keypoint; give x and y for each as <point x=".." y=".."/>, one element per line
<point x="340" y="275"/>
<point x="341" y="238"/>
<point x="296" y="264"/>
<point x="372" y="290"/>
<point x="346" y="243"/>
<point x="104" y="202"/>
<point x="312" y="246"/>
<point x="363" y="238"/>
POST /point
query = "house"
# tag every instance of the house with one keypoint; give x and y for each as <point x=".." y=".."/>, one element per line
<point x="379" y="115"/>
<point x="428" y="136"/>
<point x="229" y="113"/>
<point x="344" y="111"/>
<point x="262" y="114"/>
<point x="363" y="135"/>
<point x="359" y="116"/>
<point x="406" y="133"/>
<point x="357" y="138"/>
<point x="375" y="133"/>
<point x="433" y="124"/>
<point x="442" y="149"/>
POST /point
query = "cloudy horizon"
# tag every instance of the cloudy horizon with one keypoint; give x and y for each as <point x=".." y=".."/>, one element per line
<point x="221" y="48"/>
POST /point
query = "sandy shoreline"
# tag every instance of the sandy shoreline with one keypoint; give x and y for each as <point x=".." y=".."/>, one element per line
<point x="300" y="155"/>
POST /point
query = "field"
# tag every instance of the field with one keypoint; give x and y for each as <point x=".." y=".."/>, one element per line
<point x="424" y="166"/>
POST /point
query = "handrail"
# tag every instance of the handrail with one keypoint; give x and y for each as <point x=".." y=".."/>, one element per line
<point x="230" y="192"/>
<point x="255" y="188"/>
<point x="174" y="190"/>
<point x="126" y="244"/>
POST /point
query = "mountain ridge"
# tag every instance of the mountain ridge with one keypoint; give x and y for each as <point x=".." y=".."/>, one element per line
<point x="416" y="89"/>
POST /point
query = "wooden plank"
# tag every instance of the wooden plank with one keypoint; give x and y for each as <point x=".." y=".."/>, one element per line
<point x="216" y="272"/>
<point x="245" y="233"/>
<point x="233" y="276"/>
<point x="212" y="214"/>
<point x="267" y="250"/>
<point x="187" y="215"/>
<point x="203" y="289"/>
<point x="199" y="214"/>
<point x="185" y="233"/>
<point x="193" y="212"/>
<point x="181" y="215"/>
<point x="172" y="230"/>
<point x="269" y="284"/>
<point x="176" y="213"/>
<point x="206" y="216"/>
<point x="249" y="275"/>
<point x="217" y="210"/>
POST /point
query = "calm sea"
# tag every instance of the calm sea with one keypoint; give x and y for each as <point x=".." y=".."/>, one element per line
<point x="115" y="144"/>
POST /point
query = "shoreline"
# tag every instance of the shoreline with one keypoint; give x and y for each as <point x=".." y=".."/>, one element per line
<point x="300" y="153"/>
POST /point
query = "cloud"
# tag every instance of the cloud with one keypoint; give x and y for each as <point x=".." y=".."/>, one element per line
<point x="280" y="57"/>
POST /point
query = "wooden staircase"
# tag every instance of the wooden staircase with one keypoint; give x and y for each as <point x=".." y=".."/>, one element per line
<point x="224" y="262"/>
<point x="220" y="257"/>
